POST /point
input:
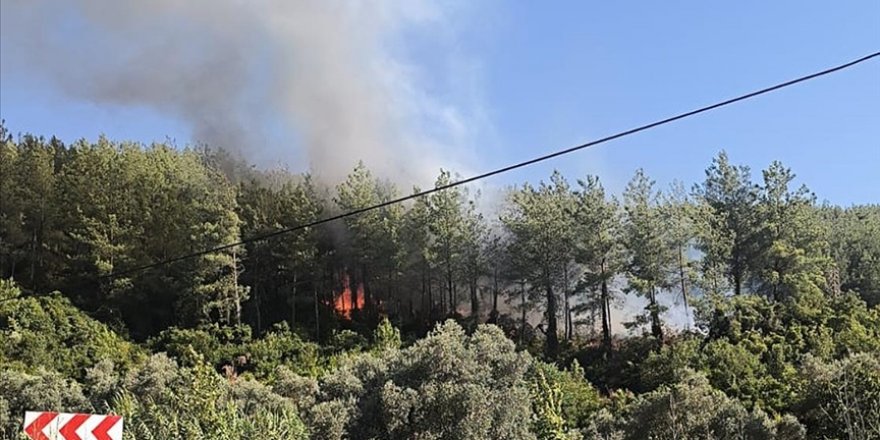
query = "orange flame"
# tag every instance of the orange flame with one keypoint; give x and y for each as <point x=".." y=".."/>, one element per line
<point x="348" y="299"/>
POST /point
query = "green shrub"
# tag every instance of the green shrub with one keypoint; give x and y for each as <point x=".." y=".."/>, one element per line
<point x="693" y="409"/>
<point x="234" y="346"/>
<point x="197" y="403"/>
<point x="578" y="400"/>
<point x="49" y="332"/>
<point x="445" y="386"/>
<point x="40" y="391"/>
<point x="841" y="399"/>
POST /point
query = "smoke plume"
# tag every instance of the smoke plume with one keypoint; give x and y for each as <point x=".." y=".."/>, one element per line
<point x="318" y="82"/>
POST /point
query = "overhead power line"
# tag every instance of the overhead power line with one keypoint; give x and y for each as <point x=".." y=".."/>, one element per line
<point x="499" y="170"/>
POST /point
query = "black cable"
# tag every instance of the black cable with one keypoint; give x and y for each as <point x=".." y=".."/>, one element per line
<point x="499" y="170"/>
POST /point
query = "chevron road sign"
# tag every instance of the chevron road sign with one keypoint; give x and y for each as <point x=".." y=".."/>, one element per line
<point x="64" y="426"/>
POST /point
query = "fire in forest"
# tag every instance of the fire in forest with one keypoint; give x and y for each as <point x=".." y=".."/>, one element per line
<point x="348" y="299"/>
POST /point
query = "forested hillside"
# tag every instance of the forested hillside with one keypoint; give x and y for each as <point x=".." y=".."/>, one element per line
<point x="432" y="319"/>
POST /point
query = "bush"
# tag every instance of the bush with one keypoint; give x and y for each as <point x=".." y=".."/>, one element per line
<point x="235" y="348"/>
<point x="196" y="403"/>
<point x="49" y="332"/>
<point x="41" y="391"/>
<point x="693" y="409"/>
<point x="446" y="386"/>
<point x="669" y="365"/>
<point x="548" y="421"/>
<point x="841" y="399"/>
<point x="578" y="400"/>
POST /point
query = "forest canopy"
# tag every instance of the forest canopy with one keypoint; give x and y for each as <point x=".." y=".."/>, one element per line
<point x="431" y="319"/>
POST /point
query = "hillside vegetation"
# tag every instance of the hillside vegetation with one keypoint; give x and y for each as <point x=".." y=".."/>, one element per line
<point x="429" y="319"/>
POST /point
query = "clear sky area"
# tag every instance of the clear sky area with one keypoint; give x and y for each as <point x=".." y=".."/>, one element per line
<point x="468" y="85"/>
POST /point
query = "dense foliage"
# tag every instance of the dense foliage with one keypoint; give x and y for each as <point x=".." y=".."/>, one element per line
<point x="429" y="320"/>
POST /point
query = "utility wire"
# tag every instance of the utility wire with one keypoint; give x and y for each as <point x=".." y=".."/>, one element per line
<point x="499" y="170"/>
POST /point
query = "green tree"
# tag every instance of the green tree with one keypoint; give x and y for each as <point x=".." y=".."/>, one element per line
<point x="386" y="337"/>
<point x="644" y="236"/>
<point x="562" y="400"/>
<point x="29" y="210"/>
<point x="280" y="270"/>
<point x="125" y="205"/>
<point x="854" y="237"/>
<point x="449" y="229"/>
<point x="791" y="238"/>
<point x="539" y="221"/>
<point x="598" y="246"/>
<point x="473" y="256"/>
<point x="498" y="266"/>
<point x="678" y="210"/>
<point x="416" y="258"/>
<point x="375" y="251"/>
<point x="727" y="221"/>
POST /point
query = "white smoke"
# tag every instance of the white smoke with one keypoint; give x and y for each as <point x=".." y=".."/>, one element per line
<point x="327" y="81"/>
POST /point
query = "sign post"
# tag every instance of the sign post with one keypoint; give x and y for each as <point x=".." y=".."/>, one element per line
<point x="42" y="425"/>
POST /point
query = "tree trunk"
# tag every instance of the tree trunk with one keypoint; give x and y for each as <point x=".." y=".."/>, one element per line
<point x="569" y="328"/>
<point x="368" y="291"/>
<point x="392" y="294"/>
<point x="715" y="278"/>
<point x="552" y="344"/>
<point x="451" y="291"/>
<point x="33" y="259"/>
<point x="236" y="292"/>
<point x="475" y="301"/>
<point x="41" y="235"/>
<point x="450" y="288"/>
<point x="3" y="254"/>
<point x="293" y="302"/>
<point x="522" y="332"/>
<point x="422" y="303"/>
<point x="495" y="291"/>
<point x="684" y="290"/>
<point x="412" y="309"/>
<point x="430" y="299"/>
<point x="737" y="282"/>
<point x="441" y="292"/>
<point x="606" y="311"/>
<point x="656" y="326"/>
<point x="778" y="269"/>
<point x="317" y="316"/>
<point x="258" y="307"/>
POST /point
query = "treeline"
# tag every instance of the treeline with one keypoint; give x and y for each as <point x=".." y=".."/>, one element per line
<point x="781" y="294"/>
<point x="71" y="215"/>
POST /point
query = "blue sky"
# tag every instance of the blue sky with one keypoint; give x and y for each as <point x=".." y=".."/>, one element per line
<point x="528" y="79"/>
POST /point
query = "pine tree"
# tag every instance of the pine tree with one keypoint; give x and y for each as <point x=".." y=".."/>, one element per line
<point x="644" y="235"/>
<point x="791" y="239"/>
<point x="598" y="246"/>
<point x="678" y="212"/>
<point x="358" y="191"/>
<point x="728" y="220"/>
<point x="447" y="225"/>
<point x="539" y="221"/>
<point x="416" y="240"/>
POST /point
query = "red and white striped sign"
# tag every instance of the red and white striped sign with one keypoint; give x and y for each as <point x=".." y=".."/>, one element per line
<point x="64" y="426"/>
